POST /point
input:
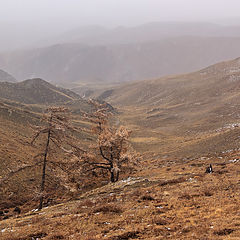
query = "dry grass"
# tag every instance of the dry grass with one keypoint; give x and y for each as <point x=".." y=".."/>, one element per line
<point x="108" y="209"/>
<point x="189" y="205"/>
<point x="170" y="197"/>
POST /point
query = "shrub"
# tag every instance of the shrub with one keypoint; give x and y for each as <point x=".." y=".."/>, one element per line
<point x="108" y="209"/>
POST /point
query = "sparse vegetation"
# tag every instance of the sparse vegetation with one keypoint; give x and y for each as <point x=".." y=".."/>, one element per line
<point x="165" y="196"/>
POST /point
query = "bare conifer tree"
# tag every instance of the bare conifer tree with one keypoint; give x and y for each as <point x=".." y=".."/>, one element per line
<point x="57" y="123"/>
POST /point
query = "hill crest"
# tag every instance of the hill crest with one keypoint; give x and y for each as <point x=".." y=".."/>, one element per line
<point x="36" y="91"/>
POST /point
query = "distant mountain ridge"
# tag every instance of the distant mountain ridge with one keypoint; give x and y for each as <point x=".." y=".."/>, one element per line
<point x="36" y="91"/>
<point x="6" y="77"/>
<point x="74" y="64"/>
<point x="148" y="32"/>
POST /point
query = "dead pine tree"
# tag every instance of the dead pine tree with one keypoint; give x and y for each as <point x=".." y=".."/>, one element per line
<point x="57" y="123"/>
<point x="113" y="150"/>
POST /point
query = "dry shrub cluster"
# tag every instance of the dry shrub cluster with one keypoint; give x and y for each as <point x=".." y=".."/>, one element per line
<point x="159" y="221"/>
<point x="127" y="236"/>
<point x="223" y="232"/>
<point x="172" y="181"/>
<point x="147" y="197"/>
<point x="108" y="209"/>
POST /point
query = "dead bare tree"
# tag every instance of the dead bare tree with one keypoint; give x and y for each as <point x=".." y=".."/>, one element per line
<point x="57" y="123"/>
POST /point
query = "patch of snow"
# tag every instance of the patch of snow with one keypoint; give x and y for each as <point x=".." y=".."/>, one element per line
<point x="131" y="180"/>
<point x="7" y="230"/>
<point x="77" y="215"/>
<point x="192" y="180"/>
<point x="234" y="160"/>
<point x="228" y="126"/>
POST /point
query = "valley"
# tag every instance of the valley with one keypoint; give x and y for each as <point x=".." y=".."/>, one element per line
<point x="182" y="114"/>
<point x="119" y="120"/>
<point x="180" y="124"/>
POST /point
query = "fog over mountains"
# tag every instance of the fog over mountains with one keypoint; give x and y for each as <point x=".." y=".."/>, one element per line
<point x="6" y="77"/>
<point x="95" y="54"/>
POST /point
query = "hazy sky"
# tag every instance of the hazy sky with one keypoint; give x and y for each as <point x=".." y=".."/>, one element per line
<point x="115" y="12"/>
<point x="26" y="23"/>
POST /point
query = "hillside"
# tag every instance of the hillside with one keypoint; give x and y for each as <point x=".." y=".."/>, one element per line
<point x="6" y="77"/>
<point x="169" y="200"/>
<point x="212" y="82"/>
<point x="183" y="113"/>
<point x="96" y="35"/>
<point x="36" y="91"/>
<point x="21" y="113"/>
<point x="180" y="124"/>
<point x="76" y="65"/>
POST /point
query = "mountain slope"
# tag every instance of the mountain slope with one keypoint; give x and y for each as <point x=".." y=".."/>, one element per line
<point x="214" y="81"/>
<point x="192" y="113"/>
<point x="21" y="114"/>
<point x="36" y="91"/>
<point x="149" y="32"/>
<point x="172" y="201"/>
<point x="6" y="77"/>
<point x="73" y="64"/>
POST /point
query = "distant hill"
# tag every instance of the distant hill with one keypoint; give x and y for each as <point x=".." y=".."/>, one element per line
<point x="36" y="91"/>
<point x="6" y="77"/>
<point x="149" y="32"/>
<point x="41" y="36"/>
<point x="75" y="64"/>
<point x="211" y="83"/>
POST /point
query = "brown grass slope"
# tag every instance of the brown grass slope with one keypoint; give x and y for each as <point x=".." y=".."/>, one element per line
<point x="169" y="201"/>
<point x="16" y="131"/>
<point x="181" y="131"/>
<point x="182" y="111"/>
<point x="16" y="151"/>
<point x="36" y="91"/>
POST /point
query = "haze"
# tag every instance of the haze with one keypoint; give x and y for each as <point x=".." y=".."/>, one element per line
<point x="115" y="12"/>
<point x="24" y="22"/>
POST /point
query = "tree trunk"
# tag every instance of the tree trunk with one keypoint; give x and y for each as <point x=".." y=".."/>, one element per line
<point x="44" y="170"/>
<point x="117" y="176"/>
<point x="112" y="176"/>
